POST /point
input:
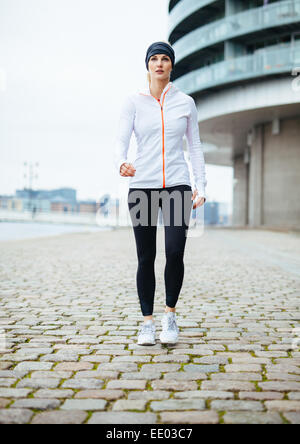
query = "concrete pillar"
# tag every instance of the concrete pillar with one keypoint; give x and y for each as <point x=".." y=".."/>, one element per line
<point x="281" y="178"/>
<point x="240" y="192"/>
<point x="256" y="178"/>
<point x="233" y="49"/>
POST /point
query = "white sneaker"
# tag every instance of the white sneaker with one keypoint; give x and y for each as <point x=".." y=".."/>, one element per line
<point x="170" y="331"/>
<point x="146" y="335"/>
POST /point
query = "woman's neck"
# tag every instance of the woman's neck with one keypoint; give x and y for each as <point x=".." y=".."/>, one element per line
<point x="157" y="87"/>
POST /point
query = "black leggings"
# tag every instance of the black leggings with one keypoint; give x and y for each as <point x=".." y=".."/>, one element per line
<point x="143" y="207"/>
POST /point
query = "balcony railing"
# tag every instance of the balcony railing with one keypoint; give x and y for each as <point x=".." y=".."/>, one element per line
<point x="262" y="62"/>
<point x="183" y="9"/>
<point x="275" y="14"/>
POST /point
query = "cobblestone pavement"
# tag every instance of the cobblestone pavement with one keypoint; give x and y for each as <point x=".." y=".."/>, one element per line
<point x="69" y="316"/>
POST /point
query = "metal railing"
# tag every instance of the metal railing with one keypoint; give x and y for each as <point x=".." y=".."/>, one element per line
<point x="275" y="14"/>
<point x="263" y="62"/>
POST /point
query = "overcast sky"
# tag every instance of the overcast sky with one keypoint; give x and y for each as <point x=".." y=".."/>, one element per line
<point x="65" y="68"/>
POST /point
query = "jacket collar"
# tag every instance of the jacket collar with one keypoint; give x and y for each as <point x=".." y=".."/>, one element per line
<point x="170" y="87"/>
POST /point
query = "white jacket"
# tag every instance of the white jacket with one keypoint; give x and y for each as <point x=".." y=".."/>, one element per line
<point x="159" y="126"/>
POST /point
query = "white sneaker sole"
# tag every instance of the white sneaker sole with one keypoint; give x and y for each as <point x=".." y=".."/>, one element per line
<point x="146" y="343"/>
<point x="164" y="341"/>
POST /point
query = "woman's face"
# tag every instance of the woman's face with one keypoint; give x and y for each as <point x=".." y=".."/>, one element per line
<point x="160" y="66"/>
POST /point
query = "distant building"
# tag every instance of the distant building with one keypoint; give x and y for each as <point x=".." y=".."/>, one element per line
<point x="5" y="201"/>
<point x="61" y="200"/>
<point x="216" y="213"/>
<point x="87" y="206"/>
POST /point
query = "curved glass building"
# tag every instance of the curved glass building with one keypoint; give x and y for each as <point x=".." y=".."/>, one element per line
<point x="240" y="60"/>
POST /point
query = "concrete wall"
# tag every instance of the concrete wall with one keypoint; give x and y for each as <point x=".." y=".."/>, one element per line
<point x="281" y="175"/>
<point x="267" y="189"/>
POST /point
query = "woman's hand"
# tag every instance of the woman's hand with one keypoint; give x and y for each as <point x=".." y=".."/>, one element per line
<point x="127" y="169"/>
<point x="200" y="200"/>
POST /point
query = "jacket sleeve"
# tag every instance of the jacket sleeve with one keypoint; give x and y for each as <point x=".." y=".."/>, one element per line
<point x="194" y="146"/>
<point x="124" y="132"/>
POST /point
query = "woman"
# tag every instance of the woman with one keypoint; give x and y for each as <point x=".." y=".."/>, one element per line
<point x="160" y="116"/>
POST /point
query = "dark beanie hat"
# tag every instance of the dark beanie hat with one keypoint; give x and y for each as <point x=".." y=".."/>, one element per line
<point x="160" y="48"/>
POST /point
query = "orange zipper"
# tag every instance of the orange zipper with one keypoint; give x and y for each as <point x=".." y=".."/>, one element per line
<point x="163" y="134"/>
<point x="163" y="131"/>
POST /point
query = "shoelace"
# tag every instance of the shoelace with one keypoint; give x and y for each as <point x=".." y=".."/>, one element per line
<point x="146" y="328"/>
<point x="171" y="324"/>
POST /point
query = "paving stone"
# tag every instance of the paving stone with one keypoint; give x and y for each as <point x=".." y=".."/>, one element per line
<point x="243" y="376"/>
<point x="171" y="358"/>
<point x="105" y="374"/>
<point x="4" y="402"/>
<point x="37" y="383"/>
<point x="51" y="374"/>
<point x="129" y="404"/>
<point x="119" y="366"/>
<point x="249" y="360"/>
<point x="141" y="375"/>
<point x="74" y="366"/>
<point x="60" y="417"/>
<point x="127" y="384"/>
<point x="206" y="394"/>
<point x="81" y="383"/>
<point x="12" y="374"/>
<point x="160" y="367"/>
<point x="260" y="395"/>
<point x="185" y="376"/>
<point x="282" y="377"/>
<point x="279" y="386"/>
<point x="294" y="395"/>
<point x="173" y="385"/>
<point x="242" y="368"/>
<point x="292" y="417"/>
<point x="44" y="393"/>
<point x="228" y="385"/>
<point x="131" y="359"/>
<point x="15" y="416"/>
<point x="18" y="357"/>
<point x="110" y="395"/>
<point x="201" y="368"/>
<point x="178" y="404"/>
<point x="252" y="418"/>
<point x="234" y="404"/>
<point x="286" y="368"/>
<point x="86" y="374"/>
<point x="5" y="365"/>
<point x="192" y="417"/>
<point x="149" y="394"/>
<point x="14" y="392"/>
<point x="122" y="418"/>
<point x="211" y="360"/>
<point x="95" y="358"/>
<point x="283" y="406"/>
<point x="7" y="382"/>
<point x="32" y="365"/>
<point x="84" y="404"/>
<point x="192" y="352"/>
<point x="38" y="404"/>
